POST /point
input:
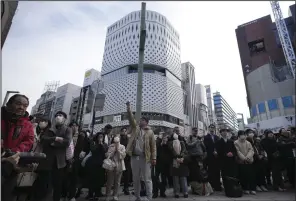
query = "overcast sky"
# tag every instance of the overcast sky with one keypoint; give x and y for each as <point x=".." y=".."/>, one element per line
<point x="60" y="40"/>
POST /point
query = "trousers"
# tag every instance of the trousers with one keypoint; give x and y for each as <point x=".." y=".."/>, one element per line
<point x="113" y="178"/>
<point x="180" y="180"/>
<point x="141" y="169"/>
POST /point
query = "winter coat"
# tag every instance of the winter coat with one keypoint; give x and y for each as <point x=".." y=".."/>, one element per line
<point x="117" y="156"/>
<point x="17" y="133"/>
<point x="244" y="150"/>
<point x="182" y="170"/>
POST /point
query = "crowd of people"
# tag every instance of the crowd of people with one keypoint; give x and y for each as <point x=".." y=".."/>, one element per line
<point x="138" y="157"/>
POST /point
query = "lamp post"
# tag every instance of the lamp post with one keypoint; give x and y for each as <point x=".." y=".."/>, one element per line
<point x="7" y="95"/>
<point x="242" y="115"/>
<point x="141" y="62"/>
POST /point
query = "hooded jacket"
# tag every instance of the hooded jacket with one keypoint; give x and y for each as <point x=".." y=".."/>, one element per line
<point x="17" y="133"/>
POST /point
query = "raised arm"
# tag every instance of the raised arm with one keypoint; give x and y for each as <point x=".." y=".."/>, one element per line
<point x="131" y="119"/>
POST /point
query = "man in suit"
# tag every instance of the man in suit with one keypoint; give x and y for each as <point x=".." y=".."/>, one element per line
<point x="212" y="162"/>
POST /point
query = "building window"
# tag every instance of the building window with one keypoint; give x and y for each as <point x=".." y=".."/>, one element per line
<point x="218" y="101"/>
<point x="272" y="104"/>
<point x="254" y="111"/>
<point x="287" y="101"/>
<point x="256" y="46"/>
<point x="261" y="108"/>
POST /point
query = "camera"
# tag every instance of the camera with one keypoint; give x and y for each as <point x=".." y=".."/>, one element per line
<point x="25" y="157"/>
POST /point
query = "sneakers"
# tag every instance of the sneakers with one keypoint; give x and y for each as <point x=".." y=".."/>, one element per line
<point x="253" y="192"/>
<point x="264" y="189"/>
<point x="247" y="192"/>
<point x="258" y="189"/>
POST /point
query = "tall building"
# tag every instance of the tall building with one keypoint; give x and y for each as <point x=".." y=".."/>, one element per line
<point x="211" y="112"/>
<point x="64" y="96"/>
<point x="202" y="107"/>
<point x="224" y="113"/>
<point x="8" y="9"/>
<point x="162" y="99"/>
<point x="268" y="80"/>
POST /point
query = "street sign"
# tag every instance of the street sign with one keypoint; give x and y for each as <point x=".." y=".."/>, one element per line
<point x="99" y="102"/>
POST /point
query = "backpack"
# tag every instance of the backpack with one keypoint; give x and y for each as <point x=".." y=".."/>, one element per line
<point x="232" y="187"/>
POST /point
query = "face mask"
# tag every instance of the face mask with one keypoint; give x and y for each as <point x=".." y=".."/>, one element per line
<point x="43" y="125"/>
<point x="242" y="137"/>
<point x="160" y="136"/>
<point x="59" y="119"/>
<point x="116" y="139"/>
<point x="251" y="135"/>
<point x="175" y="136"/>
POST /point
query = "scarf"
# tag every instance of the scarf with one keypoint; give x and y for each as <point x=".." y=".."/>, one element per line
<point x="177" y="146"/>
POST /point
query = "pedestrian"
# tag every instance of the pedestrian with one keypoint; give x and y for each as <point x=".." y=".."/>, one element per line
<point x="45" y="137"/>
<point x="63" y="138"/>
<point x="179" y="169"/>
<point x="94" y="169"/>
<point x="108" y="134"/>
<point x="17" y="131"/>
<point x="227" y="155"/>
<point x="245" y="153"/>
<point x="270" y="145"/>
<point x="162" y="173"/>
<point x="260" y="160"/>
<point x="142" y="149"/>
<point x="116" y="153"/>
<point x="127" y="174"/>
<point x="212" y="162"/>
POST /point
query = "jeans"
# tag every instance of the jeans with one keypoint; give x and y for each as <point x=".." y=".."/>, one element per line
<point x="180" y="180"/>
<point x="141" y="169"/>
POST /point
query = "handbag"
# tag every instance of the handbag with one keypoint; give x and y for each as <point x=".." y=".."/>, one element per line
<point x="70" y="151"/>
<point x="109" y="164"/>
<point x="26" y="179"/>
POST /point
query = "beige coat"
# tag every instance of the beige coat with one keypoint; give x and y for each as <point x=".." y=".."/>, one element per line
<point x="244" y="150"/>
<point x="149" y="140"/>
<point x="117" y="156"/>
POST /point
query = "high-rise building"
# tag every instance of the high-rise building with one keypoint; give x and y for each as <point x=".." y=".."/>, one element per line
<point x="211" y="112"/>
<point x="162" y="98"/>
<point x="202" y="107"/>
<point x="224" y="113"/>
<point x="268" y="80"/>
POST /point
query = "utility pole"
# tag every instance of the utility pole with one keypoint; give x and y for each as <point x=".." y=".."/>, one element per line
<point x="141" y="61"/>
<point x="7" y="95"/>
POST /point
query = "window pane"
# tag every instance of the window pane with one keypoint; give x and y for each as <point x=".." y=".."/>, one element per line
<point x="261" y="108"/>
<point x="272" y="104"/>
<point x="287" y="101"/>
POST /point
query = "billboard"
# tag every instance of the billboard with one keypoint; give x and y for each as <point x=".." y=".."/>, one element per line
<point x="90" y="76"/>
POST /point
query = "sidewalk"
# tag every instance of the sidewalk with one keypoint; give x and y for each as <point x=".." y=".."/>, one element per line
<point x="266" y="196"/>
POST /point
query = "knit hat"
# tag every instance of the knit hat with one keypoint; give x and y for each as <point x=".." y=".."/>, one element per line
<point x="61" y="113"/>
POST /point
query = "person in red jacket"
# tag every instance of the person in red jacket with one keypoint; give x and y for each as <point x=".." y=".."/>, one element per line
<point x="17" y="133"/>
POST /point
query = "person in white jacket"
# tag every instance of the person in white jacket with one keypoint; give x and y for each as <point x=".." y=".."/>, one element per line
<point x="245" y="153"/>
<point x="116" y="153"/>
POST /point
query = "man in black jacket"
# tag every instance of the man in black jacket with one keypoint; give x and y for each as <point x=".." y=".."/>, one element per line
<point x="127" y="162"/>
<point x="212" y="162"/>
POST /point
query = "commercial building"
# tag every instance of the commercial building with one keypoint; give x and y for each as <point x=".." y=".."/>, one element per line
<point x="224" y="113"/>
<point x="162" y="99"/>
<point x="8" y="9"/>
<point x="211" y="112"/>
<point x="268" y="80"/>
<point x="202" y="108"/>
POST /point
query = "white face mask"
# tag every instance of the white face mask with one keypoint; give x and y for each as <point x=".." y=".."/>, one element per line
<point x="116" y="139"/>
<point x="43" y="124"/>
<point x="242" y="137"/>
<point x="160" y="136"/>
<point x="59" y="119"/>
<point x="251" y="135"/>
<point x="175" y="136"/>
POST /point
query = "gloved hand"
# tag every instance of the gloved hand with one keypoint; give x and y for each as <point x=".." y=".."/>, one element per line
<point x="82" y="154"/>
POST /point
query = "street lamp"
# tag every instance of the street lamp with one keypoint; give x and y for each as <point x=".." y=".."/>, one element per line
<point x="242" y="115"/>
<point x="7" y="95"/>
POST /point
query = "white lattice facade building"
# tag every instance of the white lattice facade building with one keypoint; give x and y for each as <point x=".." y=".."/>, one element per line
<point x="162" y="98"/>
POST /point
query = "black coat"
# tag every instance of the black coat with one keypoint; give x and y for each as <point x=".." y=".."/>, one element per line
<point x="164" y="156"/>
<point x="228" y="164"/>
<point x="46" y="139"/>
<point x="182" y="170"/>
<point x="210" y="147"/>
